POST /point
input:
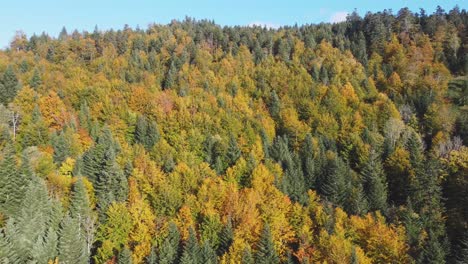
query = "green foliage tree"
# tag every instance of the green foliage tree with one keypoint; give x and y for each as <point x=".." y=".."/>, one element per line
<point x="266" y="252"/>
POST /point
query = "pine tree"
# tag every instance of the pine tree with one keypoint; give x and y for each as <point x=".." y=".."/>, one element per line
<point x="226" y="237"/>
<point x="208" y="254"/>
<point x="72" y="247"/>
<point x="461" y="256"/>
<point x="100" y="166"/>
<point x="13" y="182"/>
<point x="375" y="185"/>
<point x="308" y="162"/>
<point x="333" y="183"/>
<point x="169" y="252"/>
<point x="141" y="128"/>
<point x="35" y="80"/>
<point x="171" y="76"/>
<point x="9" y="86"/>
<point x="125" y="256"/>
<point x="275" y="105"/>
<point x="191" y="253"/>
<point x="233" y="151"/>
<point x="79" y="202"/>
<point x="324" y="75"/>
<point x="247" y="257"/>
<point x="266" y="253"/>
<point x="61" y="147"/>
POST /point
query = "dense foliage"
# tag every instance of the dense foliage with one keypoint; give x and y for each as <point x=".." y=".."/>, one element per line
<point x="195" y="143"/>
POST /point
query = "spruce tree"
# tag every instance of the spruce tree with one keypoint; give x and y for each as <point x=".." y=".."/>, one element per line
<point x="72" y="247"/>
<point x="333" y="183"/>
<point x="100" y="166"/>
<point x="125" y="256"/>
<point x="375" y="184"/>
<point x="308" y="162"/>
<point x="266" y="253"/>
<point x="226" y="237"/>
<point x="191" y="252"/>
<point x="9" y="86"/>
<point x="35" y="80"/>
<point x="233" y="151"/>
<point x="61" y="147"/>
<point x="207" y="254"/>
<point x="247" y="257"/>
<point x="169" y="251"/>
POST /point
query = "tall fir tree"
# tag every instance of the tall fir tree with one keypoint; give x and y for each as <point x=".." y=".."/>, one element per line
<point x="266" y="253"/>
<point x="375" y="183"/>
<point x="72" y="246"/>
<point x="191" y="252"/>
<point x="9" y="86"/>
<point x="100" y="166"/>
<point x="125" y="256"/>
<point x="169" y="251"/>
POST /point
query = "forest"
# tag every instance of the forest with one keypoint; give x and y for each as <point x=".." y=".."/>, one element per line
<point x="197" y="143"/>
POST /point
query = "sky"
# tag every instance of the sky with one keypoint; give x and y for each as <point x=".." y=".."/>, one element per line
<point x="50" y="16"/>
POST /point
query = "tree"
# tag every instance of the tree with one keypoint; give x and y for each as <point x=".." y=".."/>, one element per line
<point x="308" y="162"/>
<point x="80" y="209"/>
<point x="171" y="76"/>
<point x="13" y="183"/>
<point x="9" y="86"/>
<point x="146" y="132"/>
<point x="266" y="252"/>
<point x="233" y="151"/>
<point x="191" y="252"/>
<point x="226" y="237"/>
<point x="72" y="246"/>
<point x="208" y="254"/>
<point x="61" y="147"/>
<point x="99" y="164"/>
<point x="247" y="257"/>
<point x="125" y="256"/>
<point x="169" y="251"/>
<point x="35" y="80"/>
<point x="375" y="184"/>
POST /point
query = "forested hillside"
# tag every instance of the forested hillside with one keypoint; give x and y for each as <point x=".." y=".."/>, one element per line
<point x="196" y="143"/>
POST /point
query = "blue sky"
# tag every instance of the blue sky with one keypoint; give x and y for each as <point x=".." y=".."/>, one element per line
<point x="36" y="16"/>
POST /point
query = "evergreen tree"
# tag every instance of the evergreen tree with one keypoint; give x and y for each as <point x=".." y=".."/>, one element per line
<point x="72" y="247"/>
<point x="461" y="256"/>
<point x="191" y="253"/>
<point x="266" y="253"/>
<point x="169" y="251"/>
<point x="233" y="151"/>
<point x="247" y="257"/>
<point x="146" y="132"/>
<point x="61" y="147"/>
<point x="226" y="237"/>
<point x="324" y="75"/>
<point x="333" y="183"/>
<point x="13" y="182"/>
<point x="275" y="105"/>
<point x="9" y="86"/>
<point x="308" y="162"/>
<point x="125" y="256"/>
<point x="208" y="254"/>
<point x="171" y="76"/>
<point x="35" y="80"/>
<point x="100" y="166"/>
<point x="375" y="183"/>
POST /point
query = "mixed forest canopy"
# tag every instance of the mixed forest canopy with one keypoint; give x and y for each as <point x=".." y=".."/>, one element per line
<point x="196" y="143"/>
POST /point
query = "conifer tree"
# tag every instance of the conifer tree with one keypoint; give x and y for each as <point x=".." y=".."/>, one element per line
<point x="72" y="247"/>
<point x="169" y="251"/>
<point x="9" y="86"/>
<point x="191" y="253"/>
<point x="125" y="256"/>
<point x="207" y="254"/>
<point x="308" y="162"/>
<point x="226" y="237"/>
<point x="100" y="166"/>
<point x="266" y="253"/>
<point x="233" y="151"/>
<point x="61" y="147"/>
<point x="35" y="80"/>
<point x="247" y="257"/>
<point x="375" y="183"/>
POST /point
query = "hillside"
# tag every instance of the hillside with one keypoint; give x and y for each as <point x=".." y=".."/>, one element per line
<point x="196" y="143"/>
